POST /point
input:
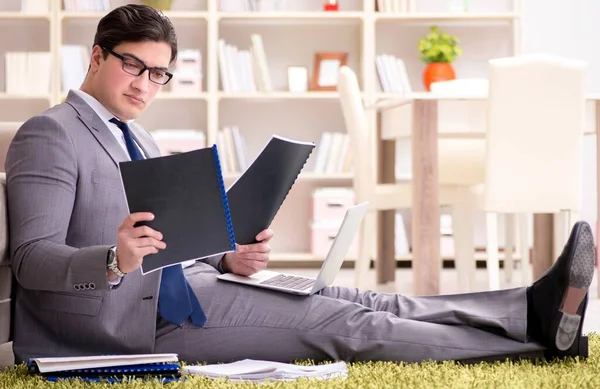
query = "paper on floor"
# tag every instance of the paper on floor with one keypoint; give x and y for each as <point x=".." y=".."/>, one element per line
<point x="257" y="370"/>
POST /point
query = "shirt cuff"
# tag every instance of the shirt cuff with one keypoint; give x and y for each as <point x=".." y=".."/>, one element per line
<point x="116" y="282"/>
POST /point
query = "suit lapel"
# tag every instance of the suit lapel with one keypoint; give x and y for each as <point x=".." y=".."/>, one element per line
<point x="99" y="130"/>
<point x="103" y="135"/>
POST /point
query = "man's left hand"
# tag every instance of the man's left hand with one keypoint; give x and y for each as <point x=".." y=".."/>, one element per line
<point x="249" y="259"/>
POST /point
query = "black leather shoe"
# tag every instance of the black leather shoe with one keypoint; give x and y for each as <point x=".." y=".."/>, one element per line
<point x="557" y="301"/>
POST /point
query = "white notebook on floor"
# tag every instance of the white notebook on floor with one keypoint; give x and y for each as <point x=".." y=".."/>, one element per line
<point x="305" y="286"/>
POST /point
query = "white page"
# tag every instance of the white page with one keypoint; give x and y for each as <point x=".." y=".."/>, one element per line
<point x="87" y="362"/>
<point x="249" y="369"/>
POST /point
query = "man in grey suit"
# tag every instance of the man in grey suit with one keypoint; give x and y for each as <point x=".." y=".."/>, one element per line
<point x="77" y="252"/>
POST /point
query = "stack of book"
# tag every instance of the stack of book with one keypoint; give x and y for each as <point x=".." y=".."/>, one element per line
<point x="244" y="70"/>
<point x="107" y="368"/>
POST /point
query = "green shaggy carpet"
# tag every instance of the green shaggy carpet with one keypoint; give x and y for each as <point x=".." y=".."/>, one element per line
<point x="514" y="375"/>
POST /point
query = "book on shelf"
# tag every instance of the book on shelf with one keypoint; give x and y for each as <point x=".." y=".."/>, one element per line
<point x="86" y="5"/>
<point x="27" y="72"/>
<point x="74" y="62"/>
<point x="244" y="70"/>
<point x="391" y="6"/>
<point x="334" y="155"/>
<point x="258" y="371"/>
<point x="256" y="196"/>
<point x="233" y="151"/>
<point x="259" y="5"/>
<point x="35" y="6"/>
<point x="111" y="368"/>
<point x="392" y="73"/>
<point x="186" y="194"/>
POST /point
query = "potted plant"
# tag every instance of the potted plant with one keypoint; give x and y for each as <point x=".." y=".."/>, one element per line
<point x="163" y="5"/>
<point x="438" y="50"/>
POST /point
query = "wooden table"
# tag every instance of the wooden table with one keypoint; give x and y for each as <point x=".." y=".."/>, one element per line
<point x="425" y="208"/>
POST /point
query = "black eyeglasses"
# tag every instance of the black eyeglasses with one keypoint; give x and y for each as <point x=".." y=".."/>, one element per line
<point x="135" y="67"/>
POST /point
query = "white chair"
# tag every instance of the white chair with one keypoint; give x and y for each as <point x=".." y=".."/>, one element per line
<point x="472" y="114"/>
<point x="534" y="137"/>
<point x="461" y="165"/>
<point x="466" y="86"/>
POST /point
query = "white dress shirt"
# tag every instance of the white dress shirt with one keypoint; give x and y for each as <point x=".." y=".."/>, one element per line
<point x="105" y="115"/>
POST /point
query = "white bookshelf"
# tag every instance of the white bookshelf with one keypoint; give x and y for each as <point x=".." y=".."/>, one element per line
<point x="490" y="28"/>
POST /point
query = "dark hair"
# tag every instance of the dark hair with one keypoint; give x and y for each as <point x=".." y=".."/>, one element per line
<point x="135" y="23"/>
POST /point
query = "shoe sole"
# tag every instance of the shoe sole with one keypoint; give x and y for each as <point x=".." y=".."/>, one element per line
<point x="568" y="322"/>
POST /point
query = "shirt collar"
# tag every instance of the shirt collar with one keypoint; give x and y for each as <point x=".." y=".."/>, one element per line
<point x="100" y="109"/>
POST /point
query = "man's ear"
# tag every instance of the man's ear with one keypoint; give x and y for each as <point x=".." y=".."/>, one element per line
<point x="96" y="58"/>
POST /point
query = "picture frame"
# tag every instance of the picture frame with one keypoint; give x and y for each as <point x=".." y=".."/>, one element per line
<point x="297" y="79"/>
<point x="326" y="70"/>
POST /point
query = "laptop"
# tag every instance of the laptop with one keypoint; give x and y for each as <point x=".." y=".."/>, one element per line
<point x="306" y="286"/>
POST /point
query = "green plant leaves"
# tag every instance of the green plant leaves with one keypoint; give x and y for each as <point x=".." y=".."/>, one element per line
<point x="438" y="46"/>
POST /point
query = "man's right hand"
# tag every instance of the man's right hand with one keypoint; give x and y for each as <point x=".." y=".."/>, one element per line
<point x="134" y="243"/>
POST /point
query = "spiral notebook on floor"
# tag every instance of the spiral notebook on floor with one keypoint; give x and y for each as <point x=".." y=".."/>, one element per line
<point x="255" y="198"/>
<point x="110" y="368"/>
<point x="186" y="194"/>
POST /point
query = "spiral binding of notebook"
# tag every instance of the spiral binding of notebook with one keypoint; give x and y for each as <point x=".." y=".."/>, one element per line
<point x="164" y="372"/>
<point x="230" y="230"/>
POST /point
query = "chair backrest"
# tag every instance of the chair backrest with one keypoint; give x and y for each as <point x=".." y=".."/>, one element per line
<point x="6" y="276"/>
<point x="535" y="124"/>
<point x="462" y="86"/>
<point x="7" y="133"/>
<point x="357" y="126"/>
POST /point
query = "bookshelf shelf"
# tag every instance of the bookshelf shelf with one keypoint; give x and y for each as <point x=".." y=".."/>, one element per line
<point x="407" y="257"/>
<point x="289" y="38"/>
<point x="447" y="17"/>
<point x="280" y="95"/>
<point x="6" y="15"/>
<point x="306" y="176"/>
<point x="200" y="15"/>
<point x="182" y="96"/>
<point x="7" y="96"/>
<point x="286" y="17"/>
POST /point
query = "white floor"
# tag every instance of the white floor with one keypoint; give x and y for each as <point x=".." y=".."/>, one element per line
<point x="403" y="285"/>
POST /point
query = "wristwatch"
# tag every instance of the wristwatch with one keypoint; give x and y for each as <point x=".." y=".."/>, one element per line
<point x="112" y="262"/>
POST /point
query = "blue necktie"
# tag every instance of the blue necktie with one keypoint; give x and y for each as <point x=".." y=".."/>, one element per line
<point x="176" y="299"/>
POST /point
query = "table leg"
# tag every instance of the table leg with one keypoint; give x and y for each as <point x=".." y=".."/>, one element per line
<point x="426" y="262"/>
<point x="543" y="243"/>
<point x="385" y="264"/>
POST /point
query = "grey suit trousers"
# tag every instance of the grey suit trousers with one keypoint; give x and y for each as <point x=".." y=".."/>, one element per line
<point x="345" y="324"/>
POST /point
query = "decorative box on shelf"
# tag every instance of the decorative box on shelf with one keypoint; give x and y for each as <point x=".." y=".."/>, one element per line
<point x="186" y="83"/>
<point x="330" y="204"/>
<point x="329" y="208"/>
<point x="189" y="61"/>
<point x="187" y="77"/>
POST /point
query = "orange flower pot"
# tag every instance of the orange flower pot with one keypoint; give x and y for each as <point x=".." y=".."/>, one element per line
<point x="438" y="71"/>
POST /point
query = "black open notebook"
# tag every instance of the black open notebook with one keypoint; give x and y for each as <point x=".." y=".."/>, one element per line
<point x="186" y="194"/>
<point x="257" y="195"/>
<point x="195" y="214"/>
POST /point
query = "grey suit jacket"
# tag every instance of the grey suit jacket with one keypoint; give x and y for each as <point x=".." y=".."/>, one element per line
<point x="65" y="202"/>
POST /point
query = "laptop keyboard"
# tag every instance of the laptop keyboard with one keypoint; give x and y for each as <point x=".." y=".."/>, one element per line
<point x="289" y="282"/>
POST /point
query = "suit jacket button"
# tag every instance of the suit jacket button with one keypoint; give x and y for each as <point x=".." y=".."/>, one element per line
<point x="86" y="286"/>
<point x="76" y="286"/>
<point x="92" y="285"/>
